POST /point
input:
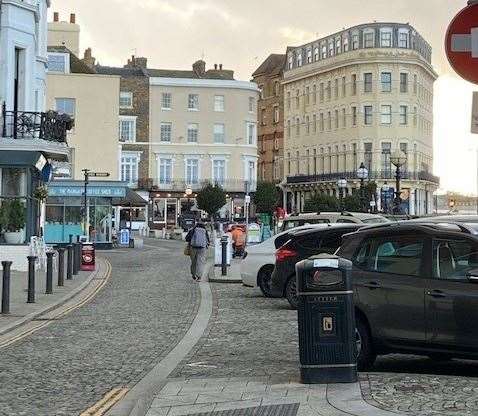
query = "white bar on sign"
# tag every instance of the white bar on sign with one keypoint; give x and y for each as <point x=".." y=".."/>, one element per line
<point x="474" y="42"/>
<point x="461" y="43"/>
<point x="331" y="263"/>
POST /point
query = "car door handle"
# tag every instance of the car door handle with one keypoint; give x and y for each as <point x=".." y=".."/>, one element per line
<point x="373" y="285"/>
<point x="436" y="294"/>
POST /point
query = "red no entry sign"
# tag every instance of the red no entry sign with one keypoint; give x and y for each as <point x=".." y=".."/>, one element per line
<point x="462" y="43"/>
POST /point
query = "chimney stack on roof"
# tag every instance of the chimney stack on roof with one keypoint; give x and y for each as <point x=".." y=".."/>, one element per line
<point x="199" y="68"/>
<point x="215" y="67"/>
<point x="73" y="18"/>
<point x="220" y="67"/>
<point x="137" y="62"/>
<point x="56" y="17"/>
<point x="88" y="58"/>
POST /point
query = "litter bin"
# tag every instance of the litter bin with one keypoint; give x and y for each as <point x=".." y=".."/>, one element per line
<point x="327" y="342"/>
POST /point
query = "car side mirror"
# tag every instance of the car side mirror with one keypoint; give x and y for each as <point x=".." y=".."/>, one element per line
<point x="472" y="275"/>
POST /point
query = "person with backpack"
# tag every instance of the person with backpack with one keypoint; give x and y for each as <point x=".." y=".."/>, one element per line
<point x="198" y="240"/>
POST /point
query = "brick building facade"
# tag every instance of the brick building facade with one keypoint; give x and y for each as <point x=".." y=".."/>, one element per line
<point x="270" y="116"/>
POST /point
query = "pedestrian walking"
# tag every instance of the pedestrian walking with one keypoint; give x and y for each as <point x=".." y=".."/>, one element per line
<point x="198" y="240"/>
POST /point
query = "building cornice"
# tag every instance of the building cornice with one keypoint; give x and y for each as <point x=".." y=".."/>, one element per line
<point x="203" y="83"/>
<point x="395" y="56"/>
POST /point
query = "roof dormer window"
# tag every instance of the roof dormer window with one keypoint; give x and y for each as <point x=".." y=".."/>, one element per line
<point x="59" y="62"/>
<point x="368" y="38"/>
<point x="386" y="38"/>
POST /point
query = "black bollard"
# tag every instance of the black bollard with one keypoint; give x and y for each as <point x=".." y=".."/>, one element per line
<point x="6" y="287"/>
<point x="70" y="238"/>
<point x="31" y="279"/>
<point x="61" y="266"/>
<point x="49" y="272"/>
<point x="69" y="262"/>
<point x="75" y="259"/>
<point x="224" y="241"/>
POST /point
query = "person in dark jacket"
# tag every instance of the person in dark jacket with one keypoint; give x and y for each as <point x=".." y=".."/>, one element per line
<point x="198" y="240"/>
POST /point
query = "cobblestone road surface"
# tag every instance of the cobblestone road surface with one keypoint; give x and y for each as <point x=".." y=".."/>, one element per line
<point x="253" y="336"/>
<point x="111" y="342"/>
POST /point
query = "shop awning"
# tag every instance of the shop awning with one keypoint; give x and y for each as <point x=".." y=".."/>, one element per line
<point x="19" y="158"/>
<point x="132" y="199"/>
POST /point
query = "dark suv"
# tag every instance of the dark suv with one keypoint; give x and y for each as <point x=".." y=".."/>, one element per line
<point x="416" y="289"/>
<point x="299" y="246"/>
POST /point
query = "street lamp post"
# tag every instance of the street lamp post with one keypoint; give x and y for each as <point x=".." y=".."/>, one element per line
<point x="188" y="193"/>
<point x="398" y="159"/>
<point x="362" y="174"/>
<point x="342" y="184"/>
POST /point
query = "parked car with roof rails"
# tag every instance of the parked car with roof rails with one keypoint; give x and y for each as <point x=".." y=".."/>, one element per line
<point x="331" y="218"/>
<point x="416" y="289"/>
<point x="301" y="245"/>
<point x="450" y="218"/>
<point x="258" y="262"/>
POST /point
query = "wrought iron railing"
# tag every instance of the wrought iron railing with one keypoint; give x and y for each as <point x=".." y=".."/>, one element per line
<point x="181" y="185"/>
<point x="50" y="126"/>
<point x="374" y="175"/>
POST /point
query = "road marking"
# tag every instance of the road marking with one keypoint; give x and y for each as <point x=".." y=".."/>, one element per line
<point x="62" y="314"/>
<point x="106" y="402"/>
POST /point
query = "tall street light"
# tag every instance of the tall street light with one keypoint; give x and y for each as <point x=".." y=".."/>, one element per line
<point x="342" y="184"/>
<point x="398" y="159"/>
<point x="188" y="193"/>
<point x="362" y="174"/>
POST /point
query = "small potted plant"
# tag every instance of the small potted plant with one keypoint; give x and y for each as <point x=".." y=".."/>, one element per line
<point x="13" y="219"/>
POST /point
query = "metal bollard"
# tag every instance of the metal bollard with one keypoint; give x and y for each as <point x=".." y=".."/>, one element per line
<point x="69" y="262"/>
<point x="31" y="279"/>
<point x="6" y="287"/>
<point x="61" y="266"/>
<point x="76" y="267"/>
<point x="224" y="241"/>
<point x="49" y="272"/>
<point x="70" y="237"/>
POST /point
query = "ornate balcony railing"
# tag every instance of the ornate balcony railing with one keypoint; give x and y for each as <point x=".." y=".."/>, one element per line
<point x="374" y="175"/>
<point x="180" y="185"/>
<point x="50" y="126"/>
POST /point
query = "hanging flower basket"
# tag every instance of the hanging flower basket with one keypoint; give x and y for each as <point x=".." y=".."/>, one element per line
<point x="41" y="193"/>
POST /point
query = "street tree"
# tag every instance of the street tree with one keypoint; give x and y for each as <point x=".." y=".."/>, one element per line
<point x="211" y="198"/>
<point x="320" y="202"/>
<point x="266" y="197"/>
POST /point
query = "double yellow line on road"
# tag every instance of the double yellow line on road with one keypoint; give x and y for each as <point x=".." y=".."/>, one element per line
<point x="106" y="402"/>
<point x="62" y="314"/>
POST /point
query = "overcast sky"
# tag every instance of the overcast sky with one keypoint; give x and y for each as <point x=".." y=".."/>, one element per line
<point x="240" y="34"/>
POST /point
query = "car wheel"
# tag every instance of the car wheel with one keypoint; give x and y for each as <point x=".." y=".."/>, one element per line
<point x="291" y="293"/>
<point x="264" y="281"/>
<point x="365" y="354"/>
<point x="440" y="357"/>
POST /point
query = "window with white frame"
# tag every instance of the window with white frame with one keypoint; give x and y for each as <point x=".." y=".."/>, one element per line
<point x="324" y="50"/>
<point x="126" y="99"/>
<point x="299" y="57"/>
<point x="129" y="168"/>
<point x="166" y="101"/>
<point x="193" y="102"/>
<point x="355" y="41"/>
<point x="368" y="116"/>
<point x="386" y="78"/>
<point x="219" y="103"/>
<point x="276" y="114"/>
<point x="367" y="82"/>
<point x="219" y="133"/>
<point x="386" y="163"/>
<point x="291" y="62"/>
<point x="309" y="56"/>
<point x="251" y="104"/>
<point x="345" y="42"/>
<point x="219" y="171"/>
<point x="166" y="131"/>
<point x="331" y="47"/>
<point x="59" y="62"/>
<point x="386" y="38"/>
<point x="165" y="170"/>
<point x="403" y="115"/>
<point x="386" y="114"/>
<point x="66" y="106"/>
<point x="251" y="171"/>
<point x="192" y="171"/>
<point x="369" y="39"/>
<point x="251" y="133"/>
<point x="193" y="132"/>
<point x="403" y="36"/>
<point x="403" y="82"/>
<point x="316" y="53"/>
<point x="127" y="129"/>
<point x="338" y="45"/>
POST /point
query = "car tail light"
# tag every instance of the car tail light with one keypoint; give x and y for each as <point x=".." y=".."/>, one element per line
<point x="284" y="253"/>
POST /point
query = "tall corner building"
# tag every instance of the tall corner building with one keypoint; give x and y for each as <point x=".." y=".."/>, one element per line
<point x="355" y="97"/>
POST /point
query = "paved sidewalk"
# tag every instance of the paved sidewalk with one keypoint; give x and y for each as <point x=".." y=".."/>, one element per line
<point x="233" y="273"/>
<point x="22" y="312"/>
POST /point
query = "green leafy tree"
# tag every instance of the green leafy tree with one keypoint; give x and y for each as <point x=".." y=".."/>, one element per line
<point x="322" y="203"/>
<point x="13" y="215"/>
<point x="211" y="199"/>
<point x="266" y="197"/>
<point x="352" y="203"/>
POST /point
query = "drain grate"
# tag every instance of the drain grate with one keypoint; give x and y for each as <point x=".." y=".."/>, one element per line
<point x="273" y="410"/>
